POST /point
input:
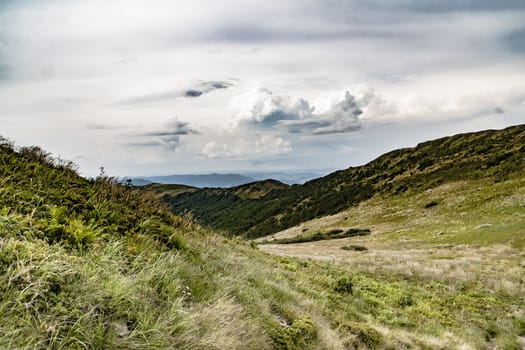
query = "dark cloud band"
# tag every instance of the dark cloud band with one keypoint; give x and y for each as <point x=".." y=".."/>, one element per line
<point x="195" y="91"/>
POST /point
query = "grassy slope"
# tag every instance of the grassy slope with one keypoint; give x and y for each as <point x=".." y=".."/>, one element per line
<point x="497" y="155"/>
<point x="467" y="248"/>
<point x="90" y="264"/>
<point x="475" y="212"/>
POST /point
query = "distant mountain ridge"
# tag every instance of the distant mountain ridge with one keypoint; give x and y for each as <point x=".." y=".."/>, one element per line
<point x="495" y="154"/>
<point x="205" y="180"/>
<point x="216" y="180"/>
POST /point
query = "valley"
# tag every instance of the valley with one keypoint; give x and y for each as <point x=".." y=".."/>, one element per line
<point x="433" y="263"/>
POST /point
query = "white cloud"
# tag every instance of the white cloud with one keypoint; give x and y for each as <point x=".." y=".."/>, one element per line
<point x="269" y="144"/>
<point x="239" y="146"/>
<point x="264" y="109"/>
<point x="214" y="149"/>
<point x="432" y="63"/>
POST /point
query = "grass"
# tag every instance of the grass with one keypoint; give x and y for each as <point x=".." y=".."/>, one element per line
<point x="90" y="264"/>
<point x="444" y="276"/>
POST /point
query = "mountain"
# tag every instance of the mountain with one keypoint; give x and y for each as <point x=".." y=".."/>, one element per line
<point x="205" y="180"/>
<point x="225" y="180"/>
<point x="138" y="181"/>
<point x="494" y="154"/>
<point x="95" y="264"/>
<point x="289" y="178"/>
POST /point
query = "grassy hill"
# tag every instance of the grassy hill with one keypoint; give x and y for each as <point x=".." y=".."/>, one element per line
<point x="91" y="264"/>
<point x="493" y="154"/>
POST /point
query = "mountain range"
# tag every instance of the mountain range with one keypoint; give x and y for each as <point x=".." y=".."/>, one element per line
<point x="495" y="154"/>
<point x="226" y="180"/>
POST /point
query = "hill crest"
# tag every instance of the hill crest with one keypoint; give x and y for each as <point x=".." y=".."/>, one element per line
<point x="495" y="154"/>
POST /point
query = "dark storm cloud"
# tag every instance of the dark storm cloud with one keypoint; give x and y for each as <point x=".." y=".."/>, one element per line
<point x="195" y="91"/>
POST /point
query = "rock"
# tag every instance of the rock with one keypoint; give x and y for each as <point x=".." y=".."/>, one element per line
<point x="120" y="328"/>
<point x="483" y="226"/>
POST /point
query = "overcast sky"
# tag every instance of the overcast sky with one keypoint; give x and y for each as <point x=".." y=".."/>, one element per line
<point x="153" y="87"/>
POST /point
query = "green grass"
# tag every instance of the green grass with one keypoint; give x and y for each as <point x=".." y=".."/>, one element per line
<point x="441" y="276"/>
<point x="480" y="212"/>
<point x="91" y="264"/>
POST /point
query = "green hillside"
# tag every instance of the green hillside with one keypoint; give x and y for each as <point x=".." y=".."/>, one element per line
<point x="491" y="154"/>
<point x="91" y="264"/>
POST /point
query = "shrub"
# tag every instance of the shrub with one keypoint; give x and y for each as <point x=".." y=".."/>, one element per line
<point x="431" y="204"/>
<point x="344" y="285"/>
<point x="357" y="248"/>
<point x="405" y="300"/>
<point x="362" y="335"/>
<point x="297" y="336"/>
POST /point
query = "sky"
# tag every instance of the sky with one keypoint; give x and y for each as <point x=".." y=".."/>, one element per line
<point x="157" y="87"/>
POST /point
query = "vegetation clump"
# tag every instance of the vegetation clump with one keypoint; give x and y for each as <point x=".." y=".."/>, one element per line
<point x="344" y="284"/>
<point x="431" y="204"/>
<point x="362" y="336"/>
<point x="356" y="248"/>
<point x="297" y="336"/>
<point x="321" y="236"/>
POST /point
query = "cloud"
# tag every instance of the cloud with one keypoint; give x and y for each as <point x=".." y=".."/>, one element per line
<point x="464" y="5"/>
<point x="215" y="149"/>
<point x="145" y="144"/>
<point x="205" y="87"/>
<point x="193" y="93"/>
<point x="515" y="40"/>
<point x="263" y="108"/>
<point x="174" y="127"/>
<point x="196" y="90"/>
<point x="271" y="111"/>
<point x="100" y="126"/>
<point x="169" y="136"/>
<point x="254" y="33"/>
<point x="238" y="146"/>
<point x="5" y="71"/>
<point x="342" y="117"/>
